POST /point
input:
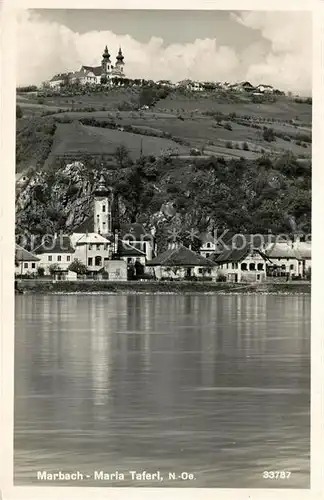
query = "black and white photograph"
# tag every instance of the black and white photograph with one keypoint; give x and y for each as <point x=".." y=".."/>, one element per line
<point x="163" y="248"/>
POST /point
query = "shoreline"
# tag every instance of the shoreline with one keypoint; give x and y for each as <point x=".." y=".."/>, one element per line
<point x="42" y="287"/>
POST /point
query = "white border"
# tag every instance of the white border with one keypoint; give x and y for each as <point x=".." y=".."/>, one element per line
<point x="7" y="211"/>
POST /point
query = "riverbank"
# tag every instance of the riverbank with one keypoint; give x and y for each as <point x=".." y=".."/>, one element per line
<point x="152" y="287"/>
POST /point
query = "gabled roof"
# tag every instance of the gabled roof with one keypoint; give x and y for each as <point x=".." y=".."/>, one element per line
<point x="180" y="256"/>
<point x="134" y="229"/>
<point x="23" y="255"/>
<point x="282" y="251"/>
<point x="58" y="244"/>
<point x="237" y="255"/>
<point x="96" y="70"/>
<point x="88" y="239"/>
<point x="126" y="250"/>
<point x="304" y="249"/>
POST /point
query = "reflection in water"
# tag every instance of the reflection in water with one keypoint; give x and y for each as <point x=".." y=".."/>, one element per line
<point x="217" y="386"/>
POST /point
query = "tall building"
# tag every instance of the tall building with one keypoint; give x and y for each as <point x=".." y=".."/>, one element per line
<point x="103" y="200"/>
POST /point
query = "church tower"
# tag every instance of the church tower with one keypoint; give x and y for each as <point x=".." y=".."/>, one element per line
<point x="120" y="62"/>
<point x="103" y="200"/>
<point x="106" y="63"/>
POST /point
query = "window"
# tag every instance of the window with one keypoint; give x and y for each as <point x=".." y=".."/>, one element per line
<point x="49" y="258"/>
<point x="260" y="267"/>
<point x="144" y="247"/>
<point x="227" y="265"/>
<point x="26" y="265"/>
<point x="208" y="245"/>
<point x="252" y="266"/>
<point x="283" y="267"/>
<point x="68" y="258"/>
<point x="200" y="270"/>
<point x="291" y="267"/>
<point x="59" y="258"/>
<point x="89" y="261"/>
<point x="98" y="261"/>
<point x="90" y="247"/>
<point x="207" y="255"/>
<point x="244" y="266"/>
<point x="258" y="277"/>
<point x="236" y="265"/>
<point x="103" y="208"/>
<point x="129" y="260"/>
<point x="106" y="246"/>
<point x="98" y="246"/>
<point x="33" y="265"/>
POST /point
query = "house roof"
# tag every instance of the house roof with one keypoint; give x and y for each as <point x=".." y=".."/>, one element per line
<point x="283" y="250"/>
<point x="96" y="70"/>
<point x="126" y="250"/>
<point x="304" y="249"/>
<point x="58" y="244"/>
<point x="237" y="255"/>
<point x="88" y="238"/>
<point x="58" y="77"/>
<point x="180" y="256"/>
<point x="23" y="255"/>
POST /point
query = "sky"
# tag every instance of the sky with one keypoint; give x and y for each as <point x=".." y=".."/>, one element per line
<point x="258" y="46"/>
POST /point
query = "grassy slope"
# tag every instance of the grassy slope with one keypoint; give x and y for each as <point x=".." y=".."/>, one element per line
<point x="196" y="129"/>
<point x="70" y="139"/>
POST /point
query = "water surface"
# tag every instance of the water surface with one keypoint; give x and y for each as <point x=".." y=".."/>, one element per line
<point x="215" y="386"/>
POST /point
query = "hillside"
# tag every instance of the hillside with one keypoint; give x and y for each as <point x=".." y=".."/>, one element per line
<point x="206" y="122"/>
<point x="253" y="172"/>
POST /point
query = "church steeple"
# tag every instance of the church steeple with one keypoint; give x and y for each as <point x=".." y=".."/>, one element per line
<point x="106" y="63"/>
<point x="120" y="57"/>
<point x="103" y="201"/>
<point x="106" y="55"/>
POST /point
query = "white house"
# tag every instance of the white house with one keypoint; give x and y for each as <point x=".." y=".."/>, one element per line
<point x="179" y="262"/>
<point x="208" y="246"/>
<point x="286" y="258"/>
<point x="25" y="261"/>
<point x="246" y="264"/>
<point x="56" y="250"/>
<point x="91" y="249"/>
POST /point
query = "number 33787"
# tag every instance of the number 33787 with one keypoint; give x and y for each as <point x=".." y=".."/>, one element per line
<point x="276" y="474"/>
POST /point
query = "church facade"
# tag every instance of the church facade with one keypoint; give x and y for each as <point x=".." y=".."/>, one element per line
<point x="94" y="75"/>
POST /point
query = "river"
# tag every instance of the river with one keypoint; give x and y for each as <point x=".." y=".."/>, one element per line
<point x="211" y="391"/>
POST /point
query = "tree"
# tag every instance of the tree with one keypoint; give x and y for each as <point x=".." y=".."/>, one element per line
<point x="122" y="156"/>
<point x="19" y="113"/>
<point x="78" y="267"/>
<point x="53" y="268"/>
<point x="268" y="134"/>
<point x="40" y="271"/>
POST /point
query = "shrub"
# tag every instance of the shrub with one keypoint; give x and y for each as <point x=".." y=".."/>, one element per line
<point x="268" y="134"/>
<point x="229" y="145"/>
<point x="228" y="126"/>
<point x="246" y="146"/>
<point x="40" y="271"/>
<point x="78" y="267"/>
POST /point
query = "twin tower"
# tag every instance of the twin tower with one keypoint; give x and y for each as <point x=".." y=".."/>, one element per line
<point x="108" y="70"/>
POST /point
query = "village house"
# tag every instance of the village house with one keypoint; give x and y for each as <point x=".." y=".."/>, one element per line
<point x="25" y="262"/>
<point x="179" y="262"/>
<point x="55" y="252"/>
<point x="92" y="249"/>
<point x="292" y="258"/>
<point x="246" y="264"/>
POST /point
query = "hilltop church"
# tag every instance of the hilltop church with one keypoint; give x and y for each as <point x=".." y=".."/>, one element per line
<point x="93" y="74"/>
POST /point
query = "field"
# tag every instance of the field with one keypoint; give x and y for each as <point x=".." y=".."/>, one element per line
<point x="74" y="138"/>
<point x="210" y="123"/>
